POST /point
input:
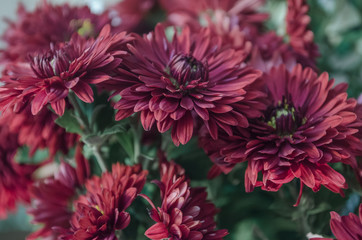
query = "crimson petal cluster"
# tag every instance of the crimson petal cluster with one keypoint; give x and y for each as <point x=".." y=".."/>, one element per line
<point x="15" y="178"/>
<point x="71" y="66"/>
<point x="300" y="134"/>
<point x="345" y="227"/>
<point x="190" y="78"/>
<point x="33" y="31"/>
<point x="101" y="211"/>
<point x="185" y="212"/>
<point x="53" y="196"/>
<point x="40" y="131"/>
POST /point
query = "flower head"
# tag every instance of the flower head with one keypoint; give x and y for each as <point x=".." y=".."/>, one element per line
<point x="301" y="38"/>
<point x="15" y="178"/>
<point x="300" y="134"/>
<point x="345" y="227"/>
<point x="185" y="213"/>
<point x="173" y="83"/>
<point x="127" y="14"/>
<point x="269" y="50"/>
<point x="49" y="77"/>
<point x="241" y="13"/>
<point x="40" y="131"/>
<point x="102" y="210"/>
<point x="33" y="31"/>
<point x="53" y="197"/>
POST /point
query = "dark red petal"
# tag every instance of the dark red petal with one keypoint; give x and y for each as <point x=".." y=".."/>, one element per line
<point x="84" y="92"/>
<point x="157" y="232"/>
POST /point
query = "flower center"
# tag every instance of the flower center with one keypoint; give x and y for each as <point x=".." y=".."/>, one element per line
<point x="284" y="118"/>
<point x="83" y="27"/>
<point x="54" y="62"/>
<point x="187" y="72"/>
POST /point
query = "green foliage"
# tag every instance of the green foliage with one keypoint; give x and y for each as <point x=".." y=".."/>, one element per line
<point x="23" y="157"/>
<point x="70" y="122"/>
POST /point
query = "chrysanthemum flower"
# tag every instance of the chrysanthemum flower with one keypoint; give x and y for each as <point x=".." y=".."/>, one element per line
<point x="33" y="32"/>
<point x="301" y="39"/>
<point x="242" y="13"/>
<point x="102" y="210"/>
<point x="172" y="83"/>
<point x="40" y="131"/>
<point x="269" y="50"/>
<point x="345" y="227"/>
<point x="127" y="14"/>
<point x="307" y="125"/>
<point x="185" y="213"/>
<point x="72" y="66"/>
<point x="53" y="197"/>
<point x="15" y="178"/>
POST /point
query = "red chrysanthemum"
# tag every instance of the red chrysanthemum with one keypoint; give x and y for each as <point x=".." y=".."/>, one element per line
<point x="53" y="196"/>
<point x="127" y="14"/>
<point x="40" y="131"/>
<point x="101" y="211"/>
<point x="269" y="50"/>
<point x="185" y="213"/>
<point x="15" y="178"/>
<point x="308" y="124"/>
<point x="241" y="13"/>
<point x="300" y="37"/>
<point x="72" y="66"/>
<point x="33" y="31"/>
<point x="345" y="227"/>
<point x="190" y="77"/>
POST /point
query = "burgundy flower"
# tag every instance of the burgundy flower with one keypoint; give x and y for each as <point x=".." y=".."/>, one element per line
<point x="242" y="13"/>
<point x="269" y="50"/>
<point x="101" y="211"/>
<point x="185" y="213"/>
<point x="71" y="66"/>
<point x="53" y="197"/>
<point x="172" y="83"/>
<point x="33" y="31"/>
<point x="15" y="178"/>
<point x="301" y="38"/>
<point x="127" y="14"/>
<point x="345" y="227"/>
<point x="300" y="133"/>
<point x="358" y="169"/>
<point x="40" y="131"/>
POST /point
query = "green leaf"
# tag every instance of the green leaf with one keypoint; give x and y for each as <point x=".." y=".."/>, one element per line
<point x="22" y="156"/>
<point x="118" y="128"/>
<point x="69" y="122"/>
<point x="126" y="141"/>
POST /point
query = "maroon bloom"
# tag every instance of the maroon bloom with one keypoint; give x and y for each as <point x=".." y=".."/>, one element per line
<point x="300" y="134"/>
<point x="53" y="197"/>
<point x="15" y="178"/>
<point x="40" y="131"/>
<point x="345" y="227"/>
<point x="269" y="50"/>
<point x="72" y="66"/>
<point x="301" y="38"/>
<point x="185" y="213"/>
<point x="172" y="83"/>
<point x="33" y="31"/>
<point x="241" y="13"/>
<point x="101" y="211"/>
<point x="127" y="14"/>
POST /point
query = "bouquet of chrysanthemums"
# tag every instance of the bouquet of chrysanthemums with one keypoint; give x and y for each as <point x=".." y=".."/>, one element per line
<point x="178" y="120"/>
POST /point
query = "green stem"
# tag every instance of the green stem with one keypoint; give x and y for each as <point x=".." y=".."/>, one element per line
<point x="83" y="120"/>
<point x="302" y="209"/>
<point x="100" y="160"/>
<point x="136" y="142"/>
